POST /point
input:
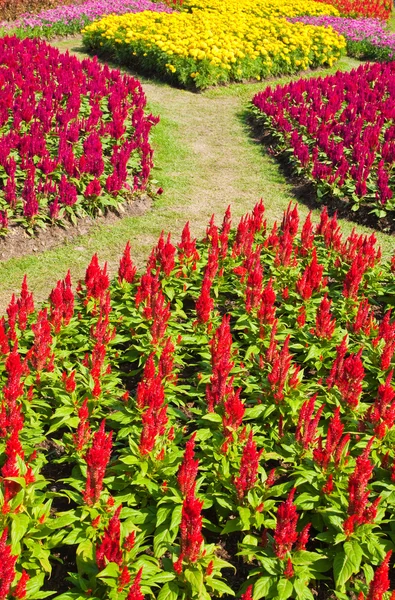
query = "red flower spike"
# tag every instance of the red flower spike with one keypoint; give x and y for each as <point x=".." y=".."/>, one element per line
<point x="247" y="594"/>
<point x="328" y="488"/>
<point x="248" y="468"/>
<point x="83" y="435"/>
<point x="307" y="424"/>
<point x="311" y="280"/>
<point x="289" y="570"/>
<point x="280" y="370"/>
<point x="61" y="304"/>
<point x="234" y="410"/>
<point x="221" y="353"/>
<point x="130" y="541"/>
<point x="7" y="566"/>
<point x="109" y="549"/>
<point x="224" y="234"/>
<point x="40" y="355"/>
<point x="20" y="590"/>
<point x="285" y="535"/>
<point x="97" y="459"/>
<point x="303" y="537"/>
<point x="324" y="323"/>
<point x="380" y="583"/>
<point x="124" y="578"/>
<point x="267" y="310"/>
<point x="187" y="472"/>
<point x="135" y="592"/>
<point x="127" y="271"/>
<point x="187" y="253"/>
<point x="191" y="529"/>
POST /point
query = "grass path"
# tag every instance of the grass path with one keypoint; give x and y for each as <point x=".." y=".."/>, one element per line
<point x="205" y="160"/>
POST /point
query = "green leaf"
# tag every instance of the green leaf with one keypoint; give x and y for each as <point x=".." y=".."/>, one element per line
<point x="111" y="570"/>
<point x="212" y="417"/>
<point x="245" y="515"/>
<point x="346" y="563"/>
<point x="176" y="517"/>
<point x="261" y="587"/>
<point x="284" y="589"/>
<point x="219" y="586"/>
<point x="170" y="591"/>
<point x="195" y="578"/>
<point x="20" y="523"/>
<point x="302" y="591"/>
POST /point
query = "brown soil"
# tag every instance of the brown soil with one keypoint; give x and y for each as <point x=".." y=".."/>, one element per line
<point x="19" y="243"/>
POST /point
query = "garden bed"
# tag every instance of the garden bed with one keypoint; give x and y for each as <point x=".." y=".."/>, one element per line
<point x="230" y="408"/>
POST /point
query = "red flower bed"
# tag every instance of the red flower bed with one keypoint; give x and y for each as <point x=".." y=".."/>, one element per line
<point x="223" y="422"/>
<point x="73" y="135"/>
<point x="376" y="9"/>
<point x="338" y="132"/>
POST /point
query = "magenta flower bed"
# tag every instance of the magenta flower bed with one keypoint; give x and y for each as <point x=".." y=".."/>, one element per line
<point x="70" y="19"/>
<point x="367" y="38"/>
<point x="338" y="132"/>
<point x="221" y="424"/>
<point x="74" y="137"/>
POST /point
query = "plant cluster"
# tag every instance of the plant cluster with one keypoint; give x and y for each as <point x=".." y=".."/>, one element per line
<point x="366" y="38"/>
<point x="376" y="9"/>
<point x="338" y="132"/>
<point x="222" y="424"/>
<point x="11" y="9"/>
<point x="264" y="8"/>
<point x="68" y="20"/>
<point x="206" y="47"/>
<point x="74" y="135"/>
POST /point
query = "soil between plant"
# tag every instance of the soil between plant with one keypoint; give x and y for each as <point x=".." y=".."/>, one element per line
<point x="19" y="243"/>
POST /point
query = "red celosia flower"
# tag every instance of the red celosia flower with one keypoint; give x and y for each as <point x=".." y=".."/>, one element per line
<point x="204" y="304"/>
<point x="96" y="279"/>
<point x="40" y="355"/>
<point x="285" y="535"/>
<point x="335" y="443"/>
<point x="307" y="236"/>
<point x="191" y="528"/>
<point x="210" y="568"/>
<point x="324" y="323"/>
<point x="248" y="468"/>
<point x="129" y="541"/>
<point x="380" y="582"/>
<point x="124" y="578"/>
<point x="154" y="422"/>
<point x="187" y="253"/>
<point x="234" y="410"/>
<point x="97" y="459"/>
<point x="135" y="592"/>
<point x="7" y="566"/>
<point x="254" y="281"/>
<point x="303" y="537"/>
<point x="127" y="271"/>
<point x="354" y="276"/>
<point x="62" y="304"/>
<point x="109" y="549"/>
<point x="83" y="435"/>
<point x="327" y="489"/>
<point x="221" y="352"/>
<point x="382" y="413"/>
<point x="349" y="378"/>
<point x="307" y="424"/>
<point x="267" y="310"/>
<point x="20" y="590"/>
<point x="280" y="370"/>
<point x="224" y="234"/>
<point x="311" y="280"/>
<point x="289" y="570"/>
<point x="187" y="472"/>
<point x="69" y="381"/>
<point x="247" y="594"/>
<point x="358" y="507"/>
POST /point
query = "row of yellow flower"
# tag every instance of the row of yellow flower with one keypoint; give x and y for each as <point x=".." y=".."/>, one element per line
<point x="264" y="8"/>
<point x="206" y="47"/>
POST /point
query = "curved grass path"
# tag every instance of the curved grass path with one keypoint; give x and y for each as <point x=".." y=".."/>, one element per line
<point x="205" y="160"/>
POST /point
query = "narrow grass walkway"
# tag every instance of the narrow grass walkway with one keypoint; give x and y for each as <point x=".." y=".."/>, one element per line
<point x="205" y="160"/>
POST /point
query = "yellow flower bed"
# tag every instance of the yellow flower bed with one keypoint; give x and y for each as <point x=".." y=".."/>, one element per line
<point x="204" y="48"/>
<point x="264" y="8"/>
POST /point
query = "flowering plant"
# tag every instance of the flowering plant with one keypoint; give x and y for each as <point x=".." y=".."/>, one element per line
<point x="220" y="424"/>
<point x="337" y="131"/>
<point x="71" y="19"/>
<point x="181" y="47"/>
<point x="74" y="136"/>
